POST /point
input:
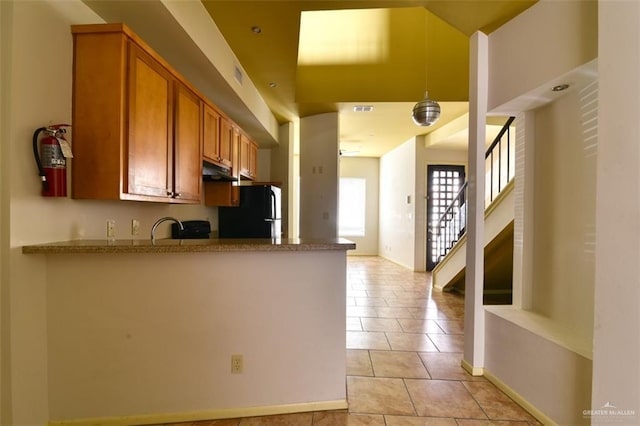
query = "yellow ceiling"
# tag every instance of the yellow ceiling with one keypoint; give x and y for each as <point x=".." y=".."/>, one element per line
<point x="402" y="72"/>
<point x="409" y="47"/>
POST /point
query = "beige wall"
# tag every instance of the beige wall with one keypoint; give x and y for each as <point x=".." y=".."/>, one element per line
<point x="616" y="372"/>
<point x="566" y="40"/>
<point x="150" y="335"/>
<point x="564" y="217"/>
<point x="397" y="198"/>
<point x="367" y="168"/>
<point x="549" y="377"/>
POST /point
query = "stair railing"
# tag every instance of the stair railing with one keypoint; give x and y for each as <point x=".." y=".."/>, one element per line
<point x="499" y="166"/>
<point x="452" y="224"/>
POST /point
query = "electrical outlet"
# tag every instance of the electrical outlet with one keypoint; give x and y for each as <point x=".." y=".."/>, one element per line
<point x="111" y="228"/>
<point x="135" y="227"/>
<point x="237" y="364"/>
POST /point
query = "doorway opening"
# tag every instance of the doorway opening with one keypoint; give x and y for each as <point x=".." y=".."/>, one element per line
<point x="443" y="184"/>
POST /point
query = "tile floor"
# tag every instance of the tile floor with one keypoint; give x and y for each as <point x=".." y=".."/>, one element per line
<point x="404" y="347"/>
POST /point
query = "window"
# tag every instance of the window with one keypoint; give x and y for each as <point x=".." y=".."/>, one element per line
<point x="352" y="207"/>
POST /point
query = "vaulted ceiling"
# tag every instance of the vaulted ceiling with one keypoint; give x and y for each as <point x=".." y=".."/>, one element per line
<point x="308" y="57"/>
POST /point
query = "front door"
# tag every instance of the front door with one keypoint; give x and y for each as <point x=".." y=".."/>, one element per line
<point x="443" y="184"/>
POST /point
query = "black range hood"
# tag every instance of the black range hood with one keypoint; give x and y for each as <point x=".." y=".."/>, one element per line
<point x="213" y="172"/>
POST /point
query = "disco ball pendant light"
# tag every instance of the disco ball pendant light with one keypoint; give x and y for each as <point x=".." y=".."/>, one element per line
<point x="426" y="112"/>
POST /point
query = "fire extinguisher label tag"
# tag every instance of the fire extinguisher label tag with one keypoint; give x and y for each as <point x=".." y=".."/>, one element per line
<point x="65" y="147"/>
<point x="52" y="157"/>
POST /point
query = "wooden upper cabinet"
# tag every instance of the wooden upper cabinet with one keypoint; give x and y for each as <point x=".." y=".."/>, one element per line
<point x="136" y="123"/>
<point x="226" y="142"/>
<point x="244" y="155"/>
<point x="235" y="150"/>
<point x="210" y="134"/>
<point x="217" y="137"/>
<point x="253" y="160"/>
<point x="99" y="124"/>
<point x="149" y="142"/>
<point x="187" y="151"/>
<point x="248" y="157"/>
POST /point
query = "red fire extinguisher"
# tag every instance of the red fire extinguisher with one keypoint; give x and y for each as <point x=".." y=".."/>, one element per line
<point x="52" y="159"/>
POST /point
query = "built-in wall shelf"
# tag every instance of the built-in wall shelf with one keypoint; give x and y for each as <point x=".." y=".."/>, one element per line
<point x="546" y="328"/>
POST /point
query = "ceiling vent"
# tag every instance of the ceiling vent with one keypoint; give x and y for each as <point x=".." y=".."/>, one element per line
<point x="363" y="108"/>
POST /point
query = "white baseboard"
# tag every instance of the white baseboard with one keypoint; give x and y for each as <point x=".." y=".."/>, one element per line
<point x="225" y="413"/>
<point x="533" y="410"/>
<point x="474" y="371"/>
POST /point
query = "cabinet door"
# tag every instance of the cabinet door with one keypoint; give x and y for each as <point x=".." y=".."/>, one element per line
<point x="99" y="90"/>
<point x="253" y="160"/>
<point x="248" y="157"/>
<point x="226" y="143"/>
<point x="245" y="150"/>
<point x="149" y="148"/>
<point x="235" y="147"/>
<point x="221" y="194"/>
<point x="211" y="136"/>
<point x="187" y="146"/>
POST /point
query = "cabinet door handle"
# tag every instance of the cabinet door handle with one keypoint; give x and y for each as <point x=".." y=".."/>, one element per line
<point x="170" y="193"/>
<point x="177" y="195"/>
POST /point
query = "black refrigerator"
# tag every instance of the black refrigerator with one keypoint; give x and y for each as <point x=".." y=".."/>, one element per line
<point x="258" y="215"/>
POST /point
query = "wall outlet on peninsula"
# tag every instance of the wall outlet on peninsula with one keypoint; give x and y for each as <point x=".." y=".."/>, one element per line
<point x="111" y="228"/>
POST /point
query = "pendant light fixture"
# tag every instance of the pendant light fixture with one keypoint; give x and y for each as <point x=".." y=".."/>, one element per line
<point x="427" y="111"/>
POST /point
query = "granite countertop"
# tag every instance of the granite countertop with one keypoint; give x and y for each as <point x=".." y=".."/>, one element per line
<point x="188" y="246"/>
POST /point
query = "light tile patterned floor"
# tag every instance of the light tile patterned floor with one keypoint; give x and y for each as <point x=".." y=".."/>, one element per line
<point x="404" y="348"/>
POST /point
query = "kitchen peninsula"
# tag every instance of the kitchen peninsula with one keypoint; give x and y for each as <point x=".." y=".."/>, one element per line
<point x="162" y="321"/>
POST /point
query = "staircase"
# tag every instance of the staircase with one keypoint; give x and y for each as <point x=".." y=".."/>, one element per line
<point x="499" y="213"/>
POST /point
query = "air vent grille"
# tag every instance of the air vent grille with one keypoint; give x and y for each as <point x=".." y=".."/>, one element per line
<point x="363" y="108"/>
<point x="238" y="73"/>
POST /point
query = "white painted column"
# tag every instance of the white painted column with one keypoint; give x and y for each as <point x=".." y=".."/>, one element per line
<point x="523" y="210"/>
<point x="616" y="371"/>
<point x="420" y="207"/>
<point x="319" y="174"/>
<point x="473" y="359"/>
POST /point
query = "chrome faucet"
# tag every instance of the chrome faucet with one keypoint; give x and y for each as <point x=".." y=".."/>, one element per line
<point x="159" y="221"/>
